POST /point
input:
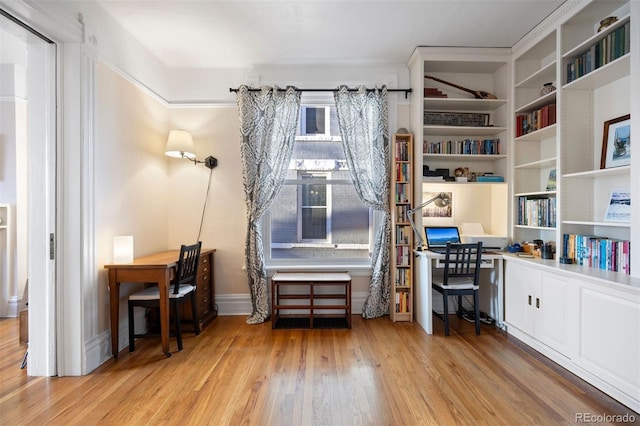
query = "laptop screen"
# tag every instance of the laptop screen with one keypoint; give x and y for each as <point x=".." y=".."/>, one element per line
<point x="439" y="236"/>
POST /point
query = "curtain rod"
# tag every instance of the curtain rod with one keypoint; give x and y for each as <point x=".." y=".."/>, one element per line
<point x="252" y="89"/>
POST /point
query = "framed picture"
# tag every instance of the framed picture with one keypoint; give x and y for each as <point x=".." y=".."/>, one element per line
<point x="616" y="142"/>
<point x="434" y="209"/>
<point x="619" y="208"/>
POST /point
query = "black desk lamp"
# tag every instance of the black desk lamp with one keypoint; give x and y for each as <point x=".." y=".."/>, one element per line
<point x="441" y="200"/>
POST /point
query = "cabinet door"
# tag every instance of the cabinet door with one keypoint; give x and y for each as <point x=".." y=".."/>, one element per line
<point x="556" y="313"/>
<point x="520" y="284"/>
<point x="609" y="329"/>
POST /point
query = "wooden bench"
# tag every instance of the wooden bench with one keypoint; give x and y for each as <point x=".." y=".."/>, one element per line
<point x="337" y="296"/>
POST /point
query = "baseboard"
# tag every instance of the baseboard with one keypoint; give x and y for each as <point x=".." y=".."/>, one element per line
<point x="14" y="306"/>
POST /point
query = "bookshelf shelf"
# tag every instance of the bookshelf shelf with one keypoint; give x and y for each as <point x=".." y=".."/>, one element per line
<point x="544" y="75"/>
<point x="540" y="134"/>
<point x="463" y="131"/>
<point x="591" y="223"/>
<point x="594" y="174"/>
<point x="465" y="157"/>
<point x="459" y="104"/>
<point x="538" y="164"/>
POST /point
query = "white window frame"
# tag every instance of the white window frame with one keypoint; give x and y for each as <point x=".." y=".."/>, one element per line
<point x="357" y="266"/>
<point x="303" y="123"/>
<point x="323" y="178"/>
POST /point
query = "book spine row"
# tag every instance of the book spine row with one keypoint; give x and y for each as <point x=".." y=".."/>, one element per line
<point x="465" y="147"/>
<point x="402" y="301"/>
<point x="403" y="234"/>
<point x="598" y="252"/>
<point x="403" y="278"/>
<point x="608" y="49"/>
<point x="535" y="120"/>
<point x="403" y="171"/>
<point x="401" y="213"/>
<point x="537" y="212"/>
<point x="402" y="151"/>
<point x="402" y="192"/>
<point x="403" y="255"/>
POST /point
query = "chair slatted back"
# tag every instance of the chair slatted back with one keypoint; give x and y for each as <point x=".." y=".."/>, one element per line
<point x="462" y="261"/>
<point x="187" y="266"/>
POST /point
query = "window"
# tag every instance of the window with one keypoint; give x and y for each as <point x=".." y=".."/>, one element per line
<point x="317" y="217"/>
<point x="314" y="219"/>
<point x="313" y="121"/>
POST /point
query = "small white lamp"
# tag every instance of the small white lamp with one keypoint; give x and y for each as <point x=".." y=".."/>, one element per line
<point x="123" y="249"/>
<point x="180" y="145"/>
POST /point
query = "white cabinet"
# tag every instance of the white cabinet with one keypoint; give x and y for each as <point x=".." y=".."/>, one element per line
<point x="588" y="325"/>
<point x="610" y="336"/>
<point x="542" y="305"/>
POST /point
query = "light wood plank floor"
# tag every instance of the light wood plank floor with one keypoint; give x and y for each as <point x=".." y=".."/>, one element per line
<point x="378" y="373"/>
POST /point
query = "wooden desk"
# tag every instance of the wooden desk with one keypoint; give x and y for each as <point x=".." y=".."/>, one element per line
<point x="157" y="268"/>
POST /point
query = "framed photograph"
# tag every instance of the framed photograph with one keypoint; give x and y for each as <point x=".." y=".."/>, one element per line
<point x="434" y="210"/>
<point x="616" y="142"/>
<point x="619" y="208"/>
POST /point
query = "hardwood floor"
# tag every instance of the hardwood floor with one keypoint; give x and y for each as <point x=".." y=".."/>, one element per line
<point x="377" y="373"/>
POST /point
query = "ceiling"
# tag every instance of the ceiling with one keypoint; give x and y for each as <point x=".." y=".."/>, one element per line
<point x="246" y="33"/>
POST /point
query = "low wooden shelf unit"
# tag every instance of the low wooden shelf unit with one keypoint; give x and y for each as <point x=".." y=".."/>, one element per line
<point x="337" y="296"/>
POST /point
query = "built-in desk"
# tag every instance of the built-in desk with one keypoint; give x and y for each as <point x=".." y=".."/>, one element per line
<point x="491" y="285"/>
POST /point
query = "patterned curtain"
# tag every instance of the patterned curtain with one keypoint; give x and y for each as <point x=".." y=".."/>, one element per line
<point x="362" y="117"/>
<point x="268" y="122"/>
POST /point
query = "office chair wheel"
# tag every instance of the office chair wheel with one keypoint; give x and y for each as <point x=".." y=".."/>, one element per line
<point x="168" y="354"/>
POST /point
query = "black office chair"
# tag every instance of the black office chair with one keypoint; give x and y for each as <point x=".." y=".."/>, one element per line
<point x="182" y="286"/>
<point x="461" y="277"/>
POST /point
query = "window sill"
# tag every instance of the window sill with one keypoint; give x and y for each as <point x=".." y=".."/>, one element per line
<point x="353" y="268"/>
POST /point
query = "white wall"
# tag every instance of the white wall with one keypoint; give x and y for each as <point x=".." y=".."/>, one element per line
<point x="132" y="193"/>
<point x="136" y="189"/>
<point x="13" y="143"/>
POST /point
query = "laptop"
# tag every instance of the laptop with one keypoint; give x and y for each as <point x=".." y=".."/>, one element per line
<point x="438" y="236"/>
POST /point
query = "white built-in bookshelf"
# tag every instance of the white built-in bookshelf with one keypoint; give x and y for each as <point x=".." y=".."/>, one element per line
<point x="576" y="313"/>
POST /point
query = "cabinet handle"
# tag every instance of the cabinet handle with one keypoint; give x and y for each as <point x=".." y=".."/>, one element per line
<point x="529" y="300"/>
<point x="205" y="269"/>
<point x="537" y="302"/>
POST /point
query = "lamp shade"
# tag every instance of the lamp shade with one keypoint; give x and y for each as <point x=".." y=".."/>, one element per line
<point x="180" y="144"/>
<point x="123" y="249"/>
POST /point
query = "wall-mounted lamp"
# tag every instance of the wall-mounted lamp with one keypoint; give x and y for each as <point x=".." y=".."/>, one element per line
<point x="180" y="145"/>
<point x="440" y="200"/>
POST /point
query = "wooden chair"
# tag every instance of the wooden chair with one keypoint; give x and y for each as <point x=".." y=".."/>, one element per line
<point x="182" y="286"/>
<point x="461" y="277"/>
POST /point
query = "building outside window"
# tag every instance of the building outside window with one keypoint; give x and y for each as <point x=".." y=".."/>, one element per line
<point x="317" y="217"/>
